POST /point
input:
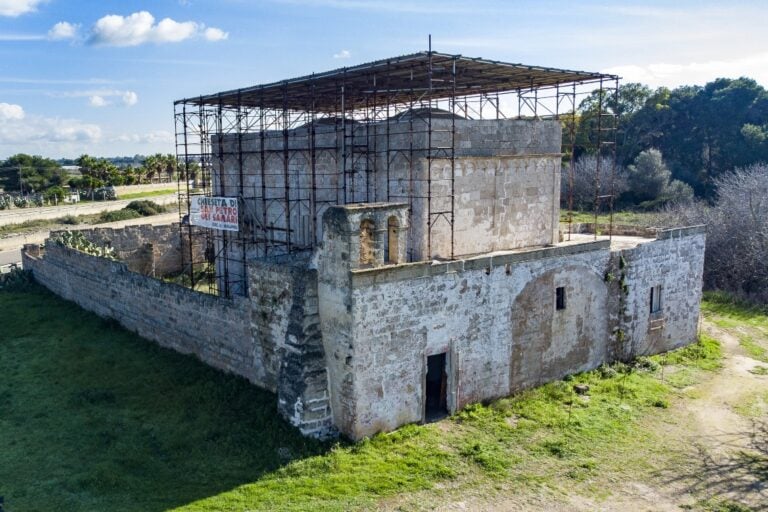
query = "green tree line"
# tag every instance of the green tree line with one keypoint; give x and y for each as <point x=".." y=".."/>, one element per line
<point x="28" y="174"/>
<point x="700" y="132"/>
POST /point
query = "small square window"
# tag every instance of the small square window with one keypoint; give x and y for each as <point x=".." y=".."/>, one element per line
<point x="560" y="297"/>
<point x="655" y="299"/>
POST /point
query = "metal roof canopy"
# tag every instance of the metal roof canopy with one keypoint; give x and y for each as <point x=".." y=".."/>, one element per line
<point x="425" y="75"/>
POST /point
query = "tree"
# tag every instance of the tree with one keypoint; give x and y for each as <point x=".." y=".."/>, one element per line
<point x="101" y="170"/>
<point x="631" y="99"/>
<point x="584" y="175"/>
<point x="26" y="173"/>
<point x="703" y="131"/>
<point x="650" y="183"/>
<point x="161" y="166"/>
<point x="736" y="258"/>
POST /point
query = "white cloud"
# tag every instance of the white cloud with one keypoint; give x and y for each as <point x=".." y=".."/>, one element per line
<point x="673" y="75"/>
<point x="97" y="101"/>
<point x="19" y="128"/>
<point x="343" y="54"/>
<point x="101" y="97"/>
<point x="115" y="30"/>
<point x="215" y="34"/>
<point x="129" y="98"/>
<point x="21" y="37"/>
<point x="140" y="28"/>
<point x="18" y="7"/>
<point x="63" y="30"/>
<point x="170" y="31"/>
<point x="155" y="137"/>
<point x="11" y="112"/>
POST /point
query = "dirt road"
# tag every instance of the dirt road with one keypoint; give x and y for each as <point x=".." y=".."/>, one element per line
<point x="19" y="215"/>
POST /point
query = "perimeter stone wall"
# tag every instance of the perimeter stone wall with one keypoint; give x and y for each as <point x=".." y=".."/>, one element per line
<point x="272" y="338"/>
<point x="150" y="250"/>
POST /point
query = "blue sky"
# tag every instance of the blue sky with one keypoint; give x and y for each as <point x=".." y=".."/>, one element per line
<point x="100" y="76"/>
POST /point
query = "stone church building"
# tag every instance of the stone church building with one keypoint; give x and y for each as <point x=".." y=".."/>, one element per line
<point x="399" y="253"/>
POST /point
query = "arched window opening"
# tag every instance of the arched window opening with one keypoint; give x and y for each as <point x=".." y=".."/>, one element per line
<point x="391" y="249"/>
<point x="366" y="242"/>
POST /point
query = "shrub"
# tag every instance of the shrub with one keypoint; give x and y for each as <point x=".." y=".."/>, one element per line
<point x="16" y="280"/>
<point x="145" y="208"/>
<point x="737" y="232"/>
<point x="54" y="193"/>
<point x="117" y="215"/>
<point x="69" y="219"/>
<point x="76" y="240"/>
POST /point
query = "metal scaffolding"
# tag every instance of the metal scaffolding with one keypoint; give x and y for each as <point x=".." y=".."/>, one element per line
<point x="381" y="131"/>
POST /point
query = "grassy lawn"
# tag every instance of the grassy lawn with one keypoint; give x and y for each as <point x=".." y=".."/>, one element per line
<point x="96" y="418"/>
<point x="749" y="322"/>
<point x="624" y="218"/>
<point x="154" y="193"/>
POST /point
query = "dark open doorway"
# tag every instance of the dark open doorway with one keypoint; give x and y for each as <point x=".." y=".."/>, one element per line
<point x="437" y="387"/>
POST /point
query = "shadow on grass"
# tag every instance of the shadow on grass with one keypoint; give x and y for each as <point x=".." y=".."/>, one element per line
<point x="93" y="417"/>
<point x="729" y="467"/>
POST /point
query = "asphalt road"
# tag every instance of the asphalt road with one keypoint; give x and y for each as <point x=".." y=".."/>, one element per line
<point x="8" y="257"/>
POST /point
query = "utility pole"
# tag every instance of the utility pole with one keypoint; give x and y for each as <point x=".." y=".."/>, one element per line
<point x="21" y="186"/>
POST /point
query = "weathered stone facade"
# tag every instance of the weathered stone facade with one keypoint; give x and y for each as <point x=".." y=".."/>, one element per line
<point x="368" y="330"/>
<point x="507" y="173"/>
<point x="495" y="318"/>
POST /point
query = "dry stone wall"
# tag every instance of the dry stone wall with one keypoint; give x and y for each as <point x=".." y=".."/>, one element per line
<point x="150" y="250"/>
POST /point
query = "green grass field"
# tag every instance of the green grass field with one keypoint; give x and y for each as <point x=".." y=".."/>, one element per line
<point x="643" y="219"/>
<point x="95" y="418"/>
<point x="153" y="193"/>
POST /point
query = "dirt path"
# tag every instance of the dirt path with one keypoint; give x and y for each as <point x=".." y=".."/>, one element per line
<point x="728" y="443"/>
<point x="710" y="452"/>
<point x="723" y="446"/>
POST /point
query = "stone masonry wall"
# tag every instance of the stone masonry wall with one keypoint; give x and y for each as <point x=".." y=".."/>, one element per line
<point x="495" y="318"/>
<point x="216" y="330"/>
<point x="147" y="249"/>
<point x="501" y="203"/>
<point x="273" y="339"/>
<point x="345" y="347"/>
<point x="287" y="338"/>
<point x="675" y="260"/>
<point x="387" y="162"/>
